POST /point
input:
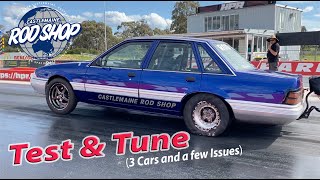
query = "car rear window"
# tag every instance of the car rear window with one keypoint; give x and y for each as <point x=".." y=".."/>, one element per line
<point x="238" y="62"/>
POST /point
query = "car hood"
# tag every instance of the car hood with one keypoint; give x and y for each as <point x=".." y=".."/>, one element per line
<point x="63" y="69"/>
<point x="68" y="64"/>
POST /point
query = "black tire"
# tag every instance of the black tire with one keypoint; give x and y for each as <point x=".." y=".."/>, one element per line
<point x="69" y="94"/>
<point x="220" y="115"/>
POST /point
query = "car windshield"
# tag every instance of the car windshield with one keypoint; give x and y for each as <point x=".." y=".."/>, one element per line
<point x="233" y="57"/>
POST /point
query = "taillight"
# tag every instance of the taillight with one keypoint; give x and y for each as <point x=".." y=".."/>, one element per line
<point x="294" y="97"/>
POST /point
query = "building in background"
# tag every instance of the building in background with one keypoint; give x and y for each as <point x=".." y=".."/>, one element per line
<point x="246" y="24"/>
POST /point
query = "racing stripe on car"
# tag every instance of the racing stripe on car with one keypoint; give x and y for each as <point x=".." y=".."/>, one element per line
<point x="121" y="91"/>
<point x="161" y="95"/>
<point x="78" y="86"/>
<point x="130" y="92"/>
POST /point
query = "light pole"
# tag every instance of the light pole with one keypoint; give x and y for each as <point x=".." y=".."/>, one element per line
<point x="105" y="27"/>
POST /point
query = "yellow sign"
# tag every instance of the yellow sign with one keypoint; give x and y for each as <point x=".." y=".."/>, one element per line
<point x="2" y="43"/>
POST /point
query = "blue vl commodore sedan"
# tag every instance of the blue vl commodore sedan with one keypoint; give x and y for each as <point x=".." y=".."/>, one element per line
<point x="206" y="82"/>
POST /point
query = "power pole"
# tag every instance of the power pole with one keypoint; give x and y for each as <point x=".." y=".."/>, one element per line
<point x="105" y="27"/>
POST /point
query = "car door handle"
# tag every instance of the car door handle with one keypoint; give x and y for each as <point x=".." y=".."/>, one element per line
<point x="131" y="74"/>
<point x="190" y="79"/>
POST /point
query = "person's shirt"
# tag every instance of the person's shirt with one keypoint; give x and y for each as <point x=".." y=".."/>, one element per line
<point x="271" y="58"/>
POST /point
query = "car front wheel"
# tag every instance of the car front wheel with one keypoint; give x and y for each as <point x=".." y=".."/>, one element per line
<point x="60" y="96"/>
<point x="206" y="115"/>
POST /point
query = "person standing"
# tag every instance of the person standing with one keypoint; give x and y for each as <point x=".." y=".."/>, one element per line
<point x="273" y="53"/>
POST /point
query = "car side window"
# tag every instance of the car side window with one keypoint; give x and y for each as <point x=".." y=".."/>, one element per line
<point x="129" y="55"/>
<point x="174" y="57"/>
<point x="208" y="63"/>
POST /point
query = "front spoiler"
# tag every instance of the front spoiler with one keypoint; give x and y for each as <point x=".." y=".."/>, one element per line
<point x="265" y="113"/>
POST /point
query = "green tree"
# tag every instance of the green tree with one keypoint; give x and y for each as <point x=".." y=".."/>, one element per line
<point x="13" y="47"/>
<point x="6" y="35"/>
<point x="92" y="38"/>
<point x="158" y="31"/>
<point x="182" y="9"/>
<point x="304" y="47"/>
<point x="1" y="28"/>
<point x="133" y="29"/>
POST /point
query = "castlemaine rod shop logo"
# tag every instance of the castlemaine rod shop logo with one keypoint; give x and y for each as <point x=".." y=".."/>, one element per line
<point x="43" y="33"/>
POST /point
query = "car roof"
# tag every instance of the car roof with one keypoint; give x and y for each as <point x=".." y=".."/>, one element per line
<point x="177" y="37"/>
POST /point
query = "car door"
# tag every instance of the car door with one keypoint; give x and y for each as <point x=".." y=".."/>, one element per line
<point x="115" y="80"/>
<point x="169" y="75"/>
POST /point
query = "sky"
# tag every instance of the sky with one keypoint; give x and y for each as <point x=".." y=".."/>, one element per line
<point x="156" y="13"/>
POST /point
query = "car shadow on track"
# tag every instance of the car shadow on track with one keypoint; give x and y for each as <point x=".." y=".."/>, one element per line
<point x="103" y="122"/>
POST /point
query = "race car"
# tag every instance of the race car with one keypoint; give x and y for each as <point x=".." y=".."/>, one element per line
<point x="205" y="82"/>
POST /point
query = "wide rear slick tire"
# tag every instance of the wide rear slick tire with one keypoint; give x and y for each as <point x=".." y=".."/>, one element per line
<point x="206" y="115"/>
<point x="60" y="96"/>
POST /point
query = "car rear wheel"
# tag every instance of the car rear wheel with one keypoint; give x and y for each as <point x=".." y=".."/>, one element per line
<point x="206" y="115"/>
<point x="60" y="96"/>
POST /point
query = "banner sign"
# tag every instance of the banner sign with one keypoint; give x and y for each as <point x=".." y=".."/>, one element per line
<point x="16" y="74"/>
<point x="295" y="67"/>
<point x="15" y="56"/>
<point x="228" y="5"/>
<point x="29" y="63"/>
<point x="40" y="63"/>
<point x="16" y="63"/>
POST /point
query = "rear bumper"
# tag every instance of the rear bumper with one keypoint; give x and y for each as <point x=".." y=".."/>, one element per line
<point x="265" y="113"/>
<point x="38" y="84"/>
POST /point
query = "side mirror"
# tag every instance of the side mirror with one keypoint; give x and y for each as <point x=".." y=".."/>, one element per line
<point x="99" y="62"/>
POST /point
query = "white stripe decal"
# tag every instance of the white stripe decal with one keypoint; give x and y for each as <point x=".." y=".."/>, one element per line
<point x="130" y="92"/>
<point x="259" y="106"/>
<point x="78" y="86"/>
<point x="161" y="95"/>
<point x="121" y="91"/>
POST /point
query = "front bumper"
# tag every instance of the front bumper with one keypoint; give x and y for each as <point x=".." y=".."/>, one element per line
<point x="265" y="113"/>
<point x="38" y="84"/>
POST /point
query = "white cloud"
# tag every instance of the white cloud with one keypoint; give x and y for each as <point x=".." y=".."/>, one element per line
<point x="308" y="9"/>
<point x="74" y="18"/>
<point x="12" y="14"/>
<point x="154" y="20"/>
<point x="10" y="21"/>
<point x="317" y="15"/>
<point x="98" y="15"/>
<point x="311" y="24"/>
<point x="114" y="18"/>
<point x="88" y="14"/>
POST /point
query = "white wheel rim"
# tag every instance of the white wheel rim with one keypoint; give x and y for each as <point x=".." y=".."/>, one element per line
<point x="206" y="116"/>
